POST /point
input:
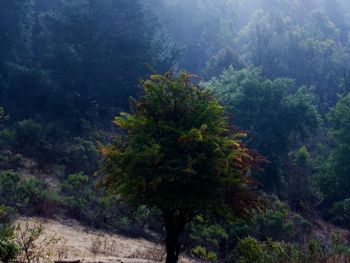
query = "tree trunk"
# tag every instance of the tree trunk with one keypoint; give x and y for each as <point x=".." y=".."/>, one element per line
<point x="174" y="227"/>
<point x="172" y="246"/>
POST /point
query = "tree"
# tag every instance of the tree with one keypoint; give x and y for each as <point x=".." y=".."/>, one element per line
<point x="334" y="180"/>
<point x="201" y="27"/>
<point x="270" y="111"/>
<point x="179" y="155"/>
<point x="88" y="44"/>
<point x="16" y="23"/>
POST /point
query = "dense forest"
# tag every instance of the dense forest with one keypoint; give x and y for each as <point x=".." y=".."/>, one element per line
<point x="219" y="126"/>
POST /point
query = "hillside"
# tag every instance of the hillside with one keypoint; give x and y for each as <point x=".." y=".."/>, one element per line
<point x="147" y="130"/>
<point x="76" y="242"/>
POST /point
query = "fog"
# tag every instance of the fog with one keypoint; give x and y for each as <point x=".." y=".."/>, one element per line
<point x="225" y="121"/>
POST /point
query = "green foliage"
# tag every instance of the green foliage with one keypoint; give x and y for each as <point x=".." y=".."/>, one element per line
<point x="340" y="212"/>
<point x="10" y="161"/>
<point x="178" y="156"/>
<point x="308" y="48"/>
<point x="302" y="156"/>
<point x="97" y="209"/>
<point x="270" y="111"/>
<point x="68" y="67"/>
<point x="83" y="203"/>
<point x="29" y="196"/>
<point x="9" y="182"/>
<point x="8" y="247"/>
<point x="16" y="24"/>
<point x="278" y="223"/>
<point x="176" y="139"/>
<point x="37" y="198"/>
<point x="80" y="154"/>
<point x="204" y="254"/>
<point x="333" y="178"/>
<point x="250" y="250"/>
<point x="300" y="181"/>
<point x="29" y="136"/>
<point x="207" y="238"/>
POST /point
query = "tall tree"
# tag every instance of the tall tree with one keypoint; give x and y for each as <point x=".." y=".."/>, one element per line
<point x="92" y="54"/>
<point x="271" y="111"/>
<point x="334" y="180"/>
<point x="179" y="155"/>
<point x="16" y="23"/>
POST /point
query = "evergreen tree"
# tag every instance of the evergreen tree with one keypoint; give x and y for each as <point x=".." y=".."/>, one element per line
<point x="270" y="111"/>
<point x="179" y="155"/>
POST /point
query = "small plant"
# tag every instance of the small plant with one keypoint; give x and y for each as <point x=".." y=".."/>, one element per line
<point x="203" y="254"/>
<point x="96" y="245"/>
<point x="34" y="246"/>
<point x="250" y="250"/>
<point x="8" y="247"/>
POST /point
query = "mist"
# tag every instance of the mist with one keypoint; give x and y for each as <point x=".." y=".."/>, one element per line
<point x="217" y="130"/>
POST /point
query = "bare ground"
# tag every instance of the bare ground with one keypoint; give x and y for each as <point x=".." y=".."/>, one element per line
<point x="72" y="241"/>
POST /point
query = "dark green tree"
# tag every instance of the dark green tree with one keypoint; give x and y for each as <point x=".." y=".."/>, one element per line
<point x="334" y="179"/>
<point x="270" y="111"/>
<point x="16" y="23"/>
<point x="180" y="156"/>
<point x="89" y="44"/>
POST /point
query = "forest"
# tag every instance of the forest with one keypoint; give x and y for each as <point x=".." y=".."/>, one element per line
<point x="218" y="129"/>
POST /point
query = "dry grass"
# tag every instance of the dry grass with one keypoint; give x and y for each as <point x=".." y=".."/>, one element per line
<point x="77" y="242"/>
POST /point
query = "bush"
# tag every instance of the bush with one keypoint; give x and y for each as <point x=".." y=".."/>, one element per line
<point x="8" y="247"/>
<point x="28" y="196"/>
<point x="80" y="155"/>
<point x="209" y="239"/>
<point x="9" y="182"/>
<point x="29" y="136"/>
<point x="79" y="196"/>
<point x="7" y="138"/>
<point x="97" y="209"/>
<point x="278" y="223"/>
<point x="8" y="160"/>
<point x="84" y="203"/>
<point x="203" y="254"/>
<point x="37" y="198"/>
<point x="250" y="250"/>
<point x="341" y="213"/>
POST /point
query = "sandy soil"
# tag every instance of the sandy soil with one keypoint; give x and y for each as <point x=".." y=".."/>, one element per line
<point x="69" y="240"/>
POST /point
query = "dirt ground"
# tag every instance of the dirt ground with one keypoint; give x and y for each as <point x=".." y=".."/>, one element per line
<point x="68" y="240"/>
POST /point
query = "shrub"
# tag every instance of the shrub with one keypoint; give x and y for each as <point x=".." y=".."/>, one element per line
<point x="8" y="160"/>
<point x="37" y="198"/>
<point x="250" y="250"/>
<point x="34" y="246"/>
<point x="341" y="213"/>
<point x="208" y="239"/>
<point x="28" y="196"/>
<point x="9" y="182"/>
<point x="84" y="203"/>
<point x="204" y="254"/>
<point x="8" y="247"/>
<point x="79" y="196"/>
<point x="278" y="223"/>
<point x="7" y="138"/>
<point x="80" y="155"/>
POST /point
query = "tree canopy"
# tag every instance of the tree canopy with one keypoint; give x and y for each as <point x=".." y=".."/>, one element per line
<point x="275" y="114"/>
<point x="179" y="155"/>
